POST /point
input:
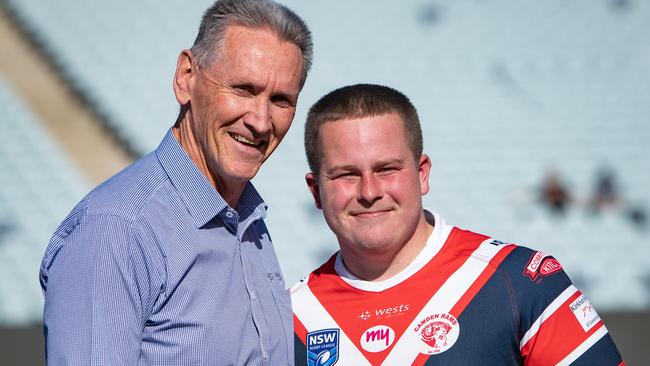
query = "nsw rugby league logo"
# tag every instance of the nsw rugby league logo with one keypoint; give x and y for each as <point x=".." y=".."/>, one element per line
<point x="323" y="347"/>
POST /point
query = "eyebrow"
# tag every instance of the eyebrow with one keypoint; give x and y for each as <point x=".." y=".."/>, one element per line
<point x="349" y="167"/>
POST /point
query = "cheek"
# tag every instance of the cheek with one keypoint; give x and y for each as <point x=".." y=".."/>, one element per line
<point x="226" y="109"/>
<point x="282" y="119"/>
<point x="336" y="196"/>
<point x="403" y="188"/>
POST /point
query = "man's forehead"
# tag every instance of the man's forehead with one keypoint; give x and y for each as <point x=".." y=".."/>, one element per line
<point x="252" y="55"/>
<point x="381" y="135"/>
<point x="363" y="125"/>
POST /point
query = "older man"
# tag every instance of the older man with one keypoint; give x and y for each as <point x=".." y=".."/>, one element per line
<point x="406" y="288"/>
<point x="169" y="262"/>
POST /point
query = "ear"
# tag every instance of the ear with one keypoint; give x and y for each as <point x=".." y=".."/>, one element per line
<point x="312" y="183"/>
<point x="424" y="167"/>
<point x="183" y="77"/>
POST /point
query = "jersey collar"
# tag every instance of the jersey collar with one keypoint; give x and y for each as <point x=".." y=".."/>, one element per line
<point x="435" y="241"/>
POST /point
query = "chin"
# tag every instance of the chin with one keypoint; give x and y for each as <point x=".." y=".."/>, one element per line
<point x="372" y="245"/>
<point x="244" y="173"/>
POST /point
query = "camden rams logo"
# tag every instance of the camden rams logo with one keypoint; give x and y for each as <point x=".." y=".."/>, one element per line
<point x="438" y="332"/>
<point x="323" y="347"/>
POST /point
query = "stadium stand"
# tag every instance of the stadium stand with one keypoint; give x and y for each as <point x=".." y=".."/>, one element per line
<point x="38" y="186"/>
<point x="505" y="92"/>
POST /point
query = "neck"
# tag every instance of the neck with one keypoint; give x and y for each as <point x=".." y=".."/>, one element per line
<point x="379" y="266"/>
<point x="230" y="192"/>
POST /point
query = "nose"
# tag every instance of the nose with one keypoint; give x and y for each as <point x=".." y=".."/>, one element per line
<point x="259" y="115"/>
<point x="369" y="189"/>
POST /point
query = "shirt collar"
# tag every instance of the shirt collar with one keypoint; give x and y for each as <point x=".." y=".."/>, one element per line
<point x="201" y="199"/>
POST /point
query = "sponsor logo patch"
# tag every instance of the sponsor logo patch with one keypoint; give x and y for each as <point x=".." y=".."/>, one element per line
<point x="541" y="264"/>
<point x="584" y="313"/>
<point x="364" y="315"/>
<point x="384" y="312"/>
<point x="438" y="333"/>
<point x="377" y="338"/>
<point x="533" y="265"/>
<point x="323" y="347"/>
<point x="549" y="266"/>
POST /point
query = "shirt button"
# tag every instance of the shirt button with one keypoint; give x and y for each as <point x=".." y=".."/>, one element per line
<point x="265" y="355"/>
<point x="229" y="215"/>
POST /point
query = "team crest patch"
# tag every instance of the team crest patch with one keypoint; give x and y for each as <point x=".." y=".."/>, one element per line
<point x="323" y="347"/>
<point x="437" y="333"/>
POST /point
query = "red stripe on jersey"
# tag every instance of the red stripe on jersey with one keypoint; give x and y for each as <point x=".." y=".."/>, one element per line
<point x="300" y="329"/>
<point x="558" y="335"/>
<point x="458" y="247"/>
<point x="480" y="281"/>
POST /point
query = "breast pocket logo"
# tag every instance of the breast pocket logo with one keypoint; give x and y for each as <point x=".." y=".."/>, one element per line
<point x="323" y="347"/>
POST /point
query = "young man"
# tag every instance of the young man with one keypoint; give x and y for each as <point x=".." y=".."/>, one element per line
<point x="169" y="262"/>
<point x="406" y="288"/>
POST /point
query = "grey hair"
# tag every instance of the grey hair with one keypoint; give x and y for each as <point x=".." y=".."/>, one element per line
<point x="257" y="14"/>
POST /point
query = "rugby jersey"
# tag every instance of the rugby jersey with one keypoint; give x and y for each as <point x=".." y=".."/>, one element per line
<point x="467" y="299"/>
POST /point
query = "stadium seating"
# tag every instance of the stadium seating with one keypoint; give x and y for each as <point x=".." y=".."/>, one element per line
<point x="38" y="186"/>
<point x="506" y="91"/>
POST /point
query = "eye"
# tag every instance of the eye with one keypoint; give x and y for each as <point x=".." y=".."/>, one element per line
<point x="344" y="175"/>
<point x="243" y="90"/>
<point x="282" y="101"/>
<point x="387" y="170"/>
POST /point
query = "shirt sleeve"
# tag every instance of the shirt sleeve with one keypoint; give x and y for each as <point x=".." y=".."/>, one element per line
<point x="558" y="324"/>
<point x="99" y="289"/>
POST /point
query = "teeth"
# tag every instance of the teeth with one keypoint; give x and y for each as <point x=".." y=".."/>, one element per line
<point x="243" y="140"/>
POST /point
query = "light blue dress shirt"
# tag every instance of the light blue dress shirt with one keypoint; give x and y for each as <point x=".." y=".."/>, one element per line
<point x="154" y="268"/>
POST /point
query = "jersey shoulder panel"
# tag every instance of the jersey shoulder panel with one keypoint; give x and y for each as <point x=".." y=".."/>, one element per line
<point x="557" y="324"/>
<point x="463" y="242"/>
<point x="326" y="269"/>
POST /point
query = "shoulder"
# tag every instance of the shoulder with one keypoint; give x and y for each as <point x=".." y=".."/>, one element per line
<point x="111" y="207"/>
<point x="517" y="261"/>
<point x="534" y="278"/>
<point x="299" y="287"/>
<point x="104" y="219"/>
<point x="126" y="192"/>
<point x="531" y="270"/>
<point x="321" y="276"/>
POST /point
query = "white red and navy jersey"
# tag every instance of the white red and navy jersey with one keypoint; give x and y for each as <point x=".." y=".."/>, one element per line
<point x="466" y="299"/>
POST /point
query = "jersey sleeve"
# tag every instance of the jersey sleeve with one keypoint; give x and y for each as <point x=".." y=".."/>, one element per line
<point x="557" y="323"/>
<point x="98" y="289"/>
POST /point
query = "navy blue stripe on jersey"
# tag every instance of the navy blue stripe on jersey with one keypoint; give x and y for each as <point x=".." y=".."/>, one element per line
<point x="488" y="321"/>
<point x="601" y="353"/>
<point x="300" y="351"/>
<point x="538" y="293"/>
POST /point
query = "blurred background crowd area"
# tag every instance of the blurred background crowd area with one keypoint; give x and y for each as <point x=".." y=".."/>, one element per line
<point x="535" y="115"/>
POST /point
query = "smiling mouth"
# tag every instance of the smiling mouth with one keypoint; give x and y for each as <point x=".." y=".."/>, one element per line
<point x="243" y="140"/>
<point x="374" y="213"/>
